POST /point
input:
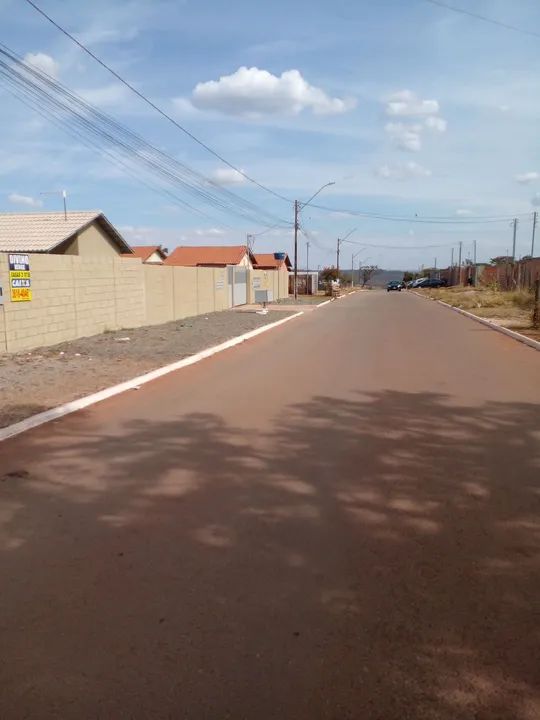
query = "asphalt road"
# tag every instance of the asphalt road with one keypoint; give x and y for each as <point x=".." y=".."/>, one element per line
<point x="339" y="519"/>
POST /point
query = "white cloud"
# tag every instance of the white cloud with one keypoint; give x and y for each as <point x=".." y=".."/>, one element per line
<point x="227" y="176"/>
<point x="42" y="62"/>
<point x="105" y="96"/>
<point x="504" y="108"/>
<point x="528" y="177"/>
<point x="405" y="137"/>
<point x="535" y="200"/>
<point x="402" y="171"/>
<point x="407" y="104"/>
<point x="437" y="124"/>
<point x="251" y="92"/>
<point x="463" y="212"/>
<point x="27" y="200"/>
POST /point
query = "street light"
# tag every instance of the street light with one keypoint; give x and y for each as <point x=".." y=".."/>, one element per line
<point x="339" y="242"/>
<point x="356" y="254"/>
<point x="298" y="206"/>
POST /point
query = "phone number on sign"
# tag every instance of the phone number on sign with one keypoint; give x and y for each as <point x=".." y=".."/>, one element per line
<point x="21" y="294"/>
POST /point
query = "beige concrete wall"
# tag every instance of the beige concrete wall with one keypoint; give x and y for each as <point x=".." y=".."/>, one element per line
<point x="77" y="296"/>
<point x="3" y="347"/>
<point x="274" y="280"/>
<point x="185" y="292"/>
<point x="159" y="293"/>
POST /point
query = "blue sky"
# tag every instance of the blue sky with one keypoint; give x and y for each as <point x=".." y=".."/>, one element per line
<point x="411" y="109"/>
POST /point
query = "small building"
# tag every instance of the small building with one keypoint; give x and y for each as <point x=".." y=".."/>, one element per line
<point x="273" y="261"/>
<point x="236" y="258"/>
<point x="307" y="282"/>
<point x="150" y="254"/>
<point x="212" y="256"/>
<point x="85" y="233"/>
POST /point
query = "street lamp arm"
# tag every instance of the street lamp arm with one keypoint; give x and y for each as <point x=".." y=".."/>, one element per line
<point x="303" y="204"/>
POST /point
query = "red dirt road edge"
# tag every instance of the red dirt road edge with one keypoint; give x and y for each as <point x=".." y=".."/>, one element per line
<point x="84" y="402"/>
<point x="534" y="344"/>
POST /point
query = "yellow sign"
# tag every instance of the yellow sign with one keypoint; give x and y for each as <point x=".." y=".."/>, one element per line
<point x="21" y="294"/>
<point x="20" y="283"/>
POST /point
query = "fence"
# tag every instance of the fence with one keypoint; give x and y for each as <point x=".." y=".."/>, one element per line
<point x="507" y="276"/>
<point x="76" y="296"/>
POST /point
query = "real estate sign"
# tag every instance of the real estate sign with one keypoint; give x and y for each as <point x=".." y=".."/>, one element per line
<point x="20" y="281"/>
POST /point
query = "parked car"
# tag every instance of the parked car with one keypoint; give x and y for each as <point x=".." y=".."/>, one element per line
<point x="394" y="285"/>
<point x="419" y="282"/>
<point x="433" y="283"/>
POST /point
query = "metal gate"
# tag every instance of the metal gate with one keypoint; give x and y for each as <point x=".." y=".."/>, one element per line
<point x="238" y="277"/>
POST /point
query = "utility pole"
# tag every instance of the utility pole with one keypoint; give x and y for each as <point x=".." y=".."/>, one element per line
<point x="352" y="269"/>
<point x="307" y="266"/>
<point x="296" y="249"/>
<point x="514" y="224"/>
<point x="475" y="271"/>
<point x="459" y="261"/>
<point x="535" y="218"/>
<point x="337" y="257"/>
<point x="452" y="268"/>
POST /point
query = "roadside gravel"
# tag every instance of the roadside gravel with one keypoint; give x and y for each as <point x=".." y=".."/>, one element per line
<point x="31" y="382"/>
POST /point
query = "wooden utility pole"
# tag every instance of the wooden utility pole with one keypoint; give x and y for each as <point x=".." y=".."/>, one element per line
<point x="514" y="225"/>
<point x="307" y="266"/>
<point x="296" y="249"/>
<point x="459" y="261"/>
<point x="337" y="257"/>
<point x="536" y="306"/>
<point x="535" y="218"/>
<point x="475" y="271"/>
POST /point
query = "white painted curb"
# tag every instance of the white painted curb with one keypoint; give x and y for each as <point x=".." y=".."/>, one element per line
<point x="323" y="303"/>
<point x="488" y="323"/>
<point x="81" y="403"/>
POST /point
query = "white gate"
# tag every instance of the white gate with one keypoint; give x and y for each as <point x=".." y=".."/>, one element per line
<point x="238" y="277"/>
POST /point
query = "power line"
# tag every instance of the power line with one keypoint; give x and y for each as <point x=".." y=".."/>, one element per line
<point x="442" y="220"/>
<point x="149" y="102"/>
<point x="101" y="131"/>
<point x="484" y="18"/>
<point x="397" y="247"/>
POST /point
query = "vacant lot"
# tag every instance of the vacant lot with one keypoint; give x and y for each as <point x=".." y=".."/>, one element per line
<point x="34" y="381"/>
<point x="508" y="309"/>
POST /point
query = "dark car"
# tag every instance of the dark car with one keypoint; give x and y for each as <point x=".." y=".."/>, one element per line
<point x="394" y="285"/>
<point x="433" y="283"/>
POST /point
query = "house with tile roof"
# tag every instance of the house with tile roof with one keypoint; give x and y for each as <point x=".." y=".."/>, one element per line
<point x="212" y="256"/>
<point x="85" y="233"/>
<point x="151" y="254"/>
<point x="273" y="261"/>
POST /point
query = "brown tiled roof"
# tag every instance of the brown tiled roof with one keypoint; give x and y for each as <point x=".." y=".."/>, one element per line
<point x="145" y="251"/>
<point x="267" y="260"/>
<point x="42" y="232"/>
<point x="219" y="255"/>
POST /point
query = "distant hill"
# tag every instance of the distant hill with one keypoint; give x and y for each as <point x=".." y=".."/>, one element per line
<point x="380" y="278"/>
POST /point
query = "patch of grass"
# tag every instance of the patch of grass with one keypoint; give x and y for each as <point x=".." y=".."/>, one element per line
<point x="483" y="298"/>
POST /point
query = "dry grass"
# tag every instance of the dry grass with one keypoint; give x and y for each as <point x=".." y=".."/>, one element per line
<point x="510" y="309"/>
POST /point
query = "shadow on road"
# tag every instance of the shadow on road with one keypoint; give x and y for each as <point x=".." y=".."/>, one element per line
<point x="370" y="558"/>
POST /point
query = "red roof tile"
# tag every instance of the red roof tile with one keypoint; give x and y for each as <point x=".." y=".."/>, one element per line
<point x="267" y="260"/>
<point x="145" y="251"/>
<point x="219" y="255"/>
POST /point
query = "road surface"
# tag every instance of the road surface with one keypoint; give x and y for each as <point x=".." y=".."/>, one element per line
<point x="339" y="519"/>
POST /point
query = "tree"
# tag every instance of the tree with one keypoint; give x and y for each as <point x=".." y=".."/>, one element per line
<point x="408" y="276"/>
<point x="367" y="273"/>
<point x="501" y="260"/>
<point x="328" y="274"/>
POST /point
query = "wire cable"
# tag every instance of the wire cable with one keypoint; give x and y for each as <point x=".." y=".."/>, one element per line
<point x="72" y="112"/>
<point x="484" y="18"/>
<point x="153" y="105"/>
